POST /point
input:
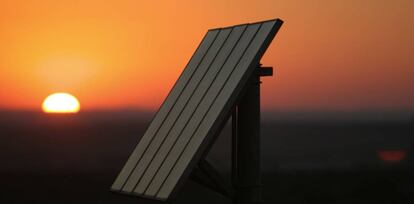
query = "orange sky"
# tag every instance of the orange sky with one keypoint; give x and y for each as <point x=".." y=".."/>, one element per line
<point x="329" y="54"/>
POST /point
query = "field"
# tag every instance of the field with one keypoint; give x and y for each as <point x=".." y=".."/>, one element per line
<point x="75" y="159"/>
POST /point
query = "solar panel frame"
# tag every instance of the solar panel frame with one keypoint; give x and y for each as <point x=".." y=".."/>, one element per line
<point x="154" y="177"/>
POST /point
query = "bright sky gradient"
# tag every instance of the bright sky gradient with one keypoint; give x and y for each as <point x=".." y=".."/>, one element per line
<point x="329" y="54"/>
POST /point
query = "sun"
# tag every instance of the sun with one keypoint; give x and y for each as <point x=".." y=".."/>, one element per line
<point x="61" y="103"/>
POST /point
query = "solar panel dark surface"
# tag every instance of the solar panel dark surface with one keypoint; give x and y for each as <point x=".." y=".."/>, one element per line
<point x="193" y="112"/>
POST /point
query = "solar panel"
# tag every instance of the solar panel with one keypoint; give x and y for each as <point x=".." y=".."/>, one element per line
<point x="199" y="103"/>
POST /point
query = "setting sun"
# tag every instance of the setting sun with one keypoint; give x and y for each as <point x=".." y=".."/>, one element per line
<point x="61" y="103"/>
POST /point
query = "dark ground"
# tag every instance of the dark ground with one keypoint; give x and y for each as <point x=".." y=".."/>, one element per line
<point x="75" y="159"/>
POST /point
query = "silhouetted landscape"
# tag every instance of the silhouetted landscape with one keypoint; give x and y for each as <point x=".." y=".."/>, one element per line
<point x="306" y="157"/>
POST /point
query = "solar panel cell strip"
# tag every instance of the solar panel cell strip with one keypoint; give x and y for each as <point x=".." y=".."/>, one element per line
<point x="176" y="111"/>
<point x="202" y="109"/>
<point x="190" y="108"/>
<point x="165" y="109"/>
<point x="222" y="101"/>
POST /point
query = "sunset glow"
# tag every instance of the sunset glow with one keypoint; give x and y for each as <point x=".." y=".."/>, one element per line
<point x="329" y="55"/>
<point x="61" y="103"/>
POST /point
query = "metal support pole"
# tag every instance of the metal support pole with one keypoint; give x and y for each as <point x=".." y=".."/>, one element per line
<point x="247" y="145"/>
